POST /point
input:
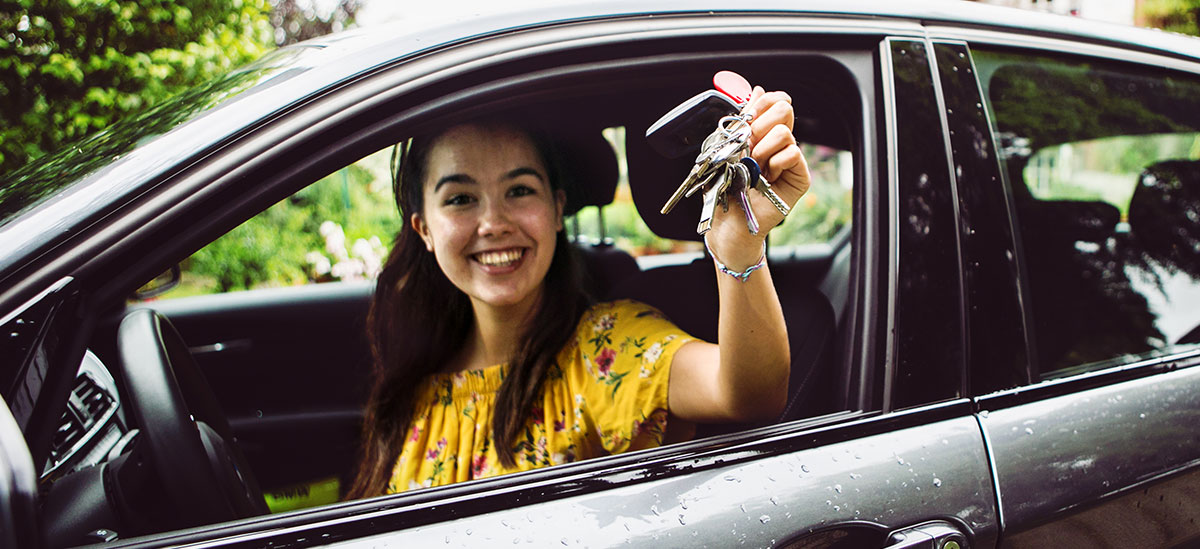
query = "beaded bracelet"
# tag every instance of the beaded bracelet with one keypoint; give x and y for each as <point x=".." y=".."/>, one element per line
<point x="742" y="276"/>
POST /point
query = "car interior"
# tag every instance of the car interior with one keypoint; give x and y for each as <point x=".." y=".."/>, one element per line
<point x="279" y="375"/>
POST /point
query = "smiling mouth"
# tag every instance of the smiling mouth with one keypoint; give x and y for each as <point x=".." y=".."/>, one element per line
<point x="502" y="258"/>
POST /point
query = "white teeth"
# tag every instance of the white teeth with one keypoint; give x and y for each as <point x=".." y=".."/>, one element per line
<point x="499" y="259"/>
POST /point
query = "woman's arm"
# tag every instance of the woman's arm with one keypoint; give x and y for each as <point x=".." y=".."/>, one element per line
<point x="745" y="375"/>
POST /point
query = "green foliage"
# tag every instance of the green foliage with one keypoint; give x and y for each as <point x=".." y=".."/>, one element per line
<point x="71" y="67"/>
<point x="274" y="248"/>
<point x="1180" y="16"/>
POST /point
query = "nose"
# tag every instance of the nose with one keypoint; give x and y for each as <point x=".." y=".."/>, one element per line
<point x="496" y="219"/>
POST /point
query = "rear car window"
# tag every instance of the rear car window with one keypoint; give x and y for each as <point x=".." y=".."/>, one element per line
<point x="1103" y="161"/>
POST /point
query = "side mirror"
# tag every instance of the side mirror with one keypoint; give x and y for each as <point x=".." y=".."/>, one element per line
<point x="159" y="285"/>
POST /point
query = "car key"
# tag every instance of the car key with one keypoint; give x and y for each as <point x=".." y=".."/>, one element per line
<point x="741" y="183"/>
<point x="710" y="201"/>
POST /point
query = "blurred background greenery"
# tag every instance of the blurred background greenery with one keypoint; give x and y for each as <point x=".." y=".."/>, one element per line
<point x="70" y="68"/>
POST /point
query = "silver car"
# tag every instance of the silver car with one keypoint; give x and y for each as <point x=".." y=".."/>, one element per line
<point x="992" y="292"/>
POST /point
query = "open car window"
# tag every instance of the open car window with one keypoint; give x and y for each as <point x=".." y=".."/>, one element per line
<point x="248" y="295"/>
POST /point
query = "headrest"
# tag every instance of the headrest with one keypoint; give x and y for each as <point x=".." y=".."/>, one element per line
<point x="1073" y="220"/>
<point x="652" y="180"/>
<point x="1164" y="213"/>
<point x="589" y="169"/>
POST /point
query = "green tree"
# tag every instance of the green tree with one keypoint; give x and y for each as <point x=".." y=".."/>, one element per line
<point x="1180" y="16"/>
<point x="71" y="67"/>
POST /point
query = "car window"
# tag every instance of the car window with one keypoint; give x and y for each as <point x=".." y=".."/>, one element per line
<point x="302" y="270"/>
<point x="337" y="229"/>
<point x="340" y="228"/>
<point x="1103" y="161"/>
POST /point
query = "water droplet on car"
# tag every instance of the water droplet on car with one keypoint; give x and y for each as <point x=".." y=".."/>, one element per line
<point x="804" y="468"/>
<point x="731" y="478"/>
<point x="563" y="541"/>
<point x="682" y="522"/>
<point x="828" y="502"/>
<point x="837" y="488"/>
<point x="654" y="509"/>
<point x="937" y="482"/>
<point x="1028" y="431"/>
<point x="743" y="506"/>
<point x="855" y="476"/>
<point x="774" y="500"/>
<point x="764" y="519"/>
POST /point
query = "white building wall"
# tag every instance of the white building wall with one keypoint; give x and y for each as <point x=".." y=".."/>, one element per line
<point x="1113" y="11"/>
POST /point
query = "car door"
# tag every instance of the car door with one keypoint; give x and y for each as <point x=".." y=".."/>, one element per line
<point x="903" y="459"/>
<point x="1084" y="369"/>
<point x="905" y="456"/>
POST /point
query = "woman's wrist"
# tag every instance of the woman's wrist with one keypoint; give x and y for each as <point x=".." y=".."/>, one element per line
<point x="737" y="250"/>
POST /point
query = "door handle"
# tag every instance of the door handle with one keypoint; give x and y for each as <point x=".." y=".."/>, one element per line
<point x="938" y="534"/>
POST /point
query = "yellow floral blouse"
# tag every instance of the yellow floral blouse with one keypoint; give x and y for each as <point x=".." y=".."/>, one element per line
<point x="606" y="395"/>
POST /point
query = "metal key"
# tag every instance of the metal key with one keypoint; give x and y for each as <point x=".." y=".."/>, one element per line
<point x="701" y="172"/>
<point x="698" y="171"/>
<point x="739" y="189"/>
<point x="710" y="201"/>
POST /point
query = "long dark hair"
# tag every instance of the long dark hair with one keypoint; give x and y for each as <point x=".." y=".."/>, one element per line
<point x="418" y="319"/>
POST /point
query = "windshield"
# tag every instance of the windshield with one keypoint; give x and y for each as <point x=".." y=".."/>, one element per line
<point x="44" y="177"/>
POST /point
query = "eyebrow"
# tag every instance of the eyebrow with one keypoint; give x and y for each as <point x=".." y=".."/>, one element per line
<point x="468" y="180"/>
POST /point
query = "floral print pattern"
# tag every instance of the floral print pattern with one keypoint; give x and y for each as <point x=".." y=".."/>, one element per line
<point x="607" y="394"/>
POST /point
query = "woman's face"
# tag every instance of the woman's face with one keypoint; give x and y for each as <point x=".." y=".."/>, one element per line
<point x="490" y="216"/>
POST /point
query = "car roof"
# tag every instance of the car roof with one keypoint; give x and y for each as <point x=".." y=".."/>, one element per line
<point x="74" y="200"/>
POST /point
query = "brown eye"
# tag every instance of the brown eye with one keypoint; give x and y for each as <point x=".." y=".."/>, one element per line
<point x="521" y="190"/>
<point x="458" y="200"/>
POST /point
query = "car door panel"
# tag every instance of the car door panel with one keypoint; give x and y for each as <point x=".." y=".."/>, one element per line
<point x="890" y="480"/>
<point x="776" y="485"/>
<point x="290" y="368"/>
<point x="1110" y="466"/>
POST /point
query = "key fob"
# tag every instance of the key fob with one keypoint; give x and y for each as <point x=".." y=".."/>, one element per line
<point x="681" y="130"/>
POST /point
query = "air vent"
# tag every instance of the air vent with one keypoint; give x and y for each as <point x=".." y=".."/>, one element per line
<point x="88" y="408"/>
<point x="94" y="402"/>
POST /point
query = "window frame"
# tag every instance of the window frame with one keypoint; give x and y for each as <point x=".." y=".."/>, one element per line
<point x="338" y="122"/>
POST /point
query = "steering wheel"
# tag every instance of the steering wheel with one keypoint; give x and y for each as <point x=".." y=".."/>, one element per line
<point x="185" y="439"/>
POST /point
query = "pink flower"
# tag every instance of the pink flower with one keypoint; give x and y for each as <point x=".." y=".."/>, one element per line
<point x="559" y="425"/>
<point x="539" y="416"/>
<point x="416" y="433"/>
<point x="431" y="455"/>
<point x="477" y="466"/>
<point x="441" y="444"/>
<point x="605" y="361"/>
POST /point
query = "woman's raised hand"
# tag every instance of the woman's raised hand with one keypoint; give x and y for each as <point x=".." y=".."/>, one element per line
<point x="774" y="147"/>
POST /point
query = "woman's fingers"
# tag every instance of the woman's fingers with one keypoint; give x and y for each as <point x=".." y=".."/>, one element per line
<point x="782" y="162"/>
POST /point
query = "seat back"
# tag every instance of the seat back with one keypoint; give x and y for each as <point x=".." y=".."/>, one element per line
<point x="593" y="174"/>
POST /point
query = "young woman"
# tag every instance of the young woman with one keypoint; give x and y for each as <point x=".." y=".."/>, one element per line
<point x="489" y="357"/>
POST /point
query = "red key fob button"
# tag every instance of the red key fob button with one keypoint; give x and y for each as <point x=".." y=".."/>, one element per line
<point x="732" y="84"/>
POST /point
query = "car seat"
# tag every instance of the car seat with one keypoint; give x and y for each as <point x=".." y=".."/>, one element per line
<point x="687" y="294"/>
<point x="590" y="179"/>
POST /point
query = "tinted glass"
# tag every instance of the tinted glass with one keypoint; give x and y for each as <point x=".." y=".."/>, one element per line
<point x="1104" y="164"/>
<point x="998" y="339"/>
<point x="44" y="177"/>
<point x="928" y="311"/>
